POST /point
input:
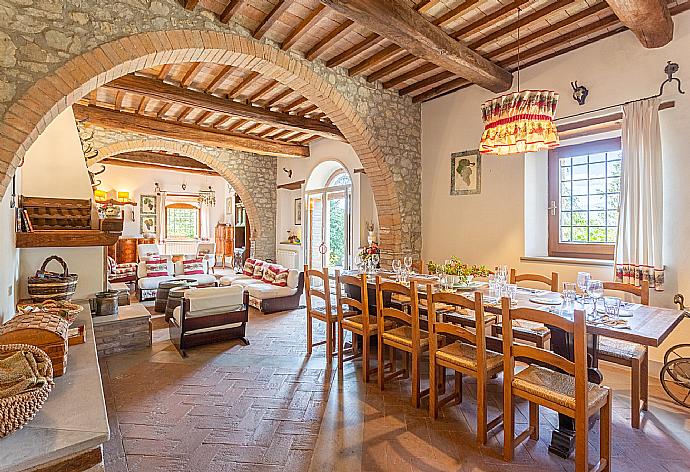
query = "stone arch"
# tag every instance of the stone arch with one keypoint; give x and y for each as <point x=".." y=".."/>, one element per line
<point x="192" y="151"/>
<point x="33" y="110"/>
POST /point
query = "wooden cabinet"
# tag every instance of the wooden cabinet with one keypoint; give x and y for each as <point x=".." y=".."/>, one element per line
<point x="125" y="250"/>
<point x="224" y="243"/>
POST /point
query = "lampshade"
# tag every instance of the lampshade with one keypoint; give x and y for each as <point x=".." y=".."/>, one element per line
<point x="519" y="122"/>
<point x="100" y="195"/>
<point x="123" y="196"/>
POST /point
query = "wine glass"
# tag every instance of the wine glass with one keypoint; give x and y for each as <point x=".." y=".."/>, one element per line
<point x="595" y="289"/>
<point x="583" y="279"/>
<point x="375" y="261"/>
<point x="408" y="263"/>
<point x="396" y="268"/>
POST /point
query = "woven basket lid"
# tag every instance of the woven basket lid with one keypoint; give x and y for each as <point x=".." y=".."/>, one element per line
<point x="37" y="320"/>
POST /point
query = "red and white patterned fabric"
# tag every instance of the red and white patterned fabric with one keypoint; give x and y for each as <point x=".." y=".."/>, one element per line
<point x="270" y="273"/>
<point x="156" y="268"/>
<point x="281" y="278"/>
<point x="248" y="267"/>
<point x="258" y="269"/>
<point x="193" y="266"/>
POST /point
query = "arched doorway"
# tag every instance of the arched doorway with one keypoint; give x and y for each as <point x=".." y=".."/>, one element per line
<point x="328" y="200"/>
<point x="37" y="106"/>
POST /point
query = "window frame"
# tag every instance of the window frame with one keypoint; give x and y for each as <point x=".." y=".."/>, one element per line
<point x="556" y="248"/>
<point x="185" y="206"/>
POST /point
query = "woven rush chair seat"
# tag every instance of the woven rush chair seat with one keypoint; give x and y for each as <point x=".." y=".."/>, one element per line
<point x="620" y="349"/>
<point x="465" y="355"/>
<point x="357" y="322"/>
<point x="403" y="335"/>
<point x="555" y="386"/>
<point x="530" y="327"/>
<point x="440" y="307"/>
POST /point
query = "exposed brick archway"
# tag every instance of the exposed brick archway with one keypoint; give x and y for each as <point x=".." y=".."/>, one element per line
<point x="31" y="112"/>
<point x="192" y="151"/>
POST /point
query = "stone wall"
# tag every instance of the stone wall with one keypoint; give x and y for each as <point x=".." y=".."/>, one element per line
<point x="54" y="52"/>
<point x="252" y="176"/>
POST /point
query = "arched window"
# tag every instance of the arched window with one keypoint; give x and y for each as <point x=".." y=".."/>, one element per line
<point x="339" y="178"/>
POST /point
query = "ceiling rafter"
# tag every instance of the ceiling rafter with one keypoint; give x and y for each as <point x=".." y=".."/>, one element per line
<point x="191" y="74"/>
<point x="218" y="80"/>
<point x="358" y="48"/>
<point x="244" y="83"/>
<point x="313" y="17"/>
<point x="270" y="19"/>
<point x="230" y="10"/>
<point x="263" y="90"/>
<point x="334" y="35"/>
<point x="374" y="60"/>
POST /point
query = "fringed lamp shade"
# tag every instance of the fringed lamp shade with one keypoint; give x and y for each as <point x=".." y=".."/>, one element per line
<point x="519" y="122"/>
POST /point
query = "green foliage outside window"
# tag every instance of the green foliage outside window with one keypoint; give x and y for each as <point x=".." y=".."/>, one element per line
<point x="182" y="223"/>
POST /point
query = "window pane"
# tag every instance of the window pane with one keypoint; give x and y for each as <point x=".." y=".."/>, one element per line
<point x="597" y="202"/>
<point x="580" y="218"/>
<point x="589" y="187"/>
<point x="182" y="223"/>
<point x="580" y="235"/>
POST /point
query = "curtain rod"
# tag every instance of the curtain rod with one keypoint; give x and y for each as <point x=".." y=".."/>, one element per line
<point x="670" y="69"/>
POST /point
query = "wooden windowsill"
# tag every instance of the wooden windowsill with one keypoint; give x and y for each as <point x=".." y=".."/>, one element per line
<point x="567" y="260"/>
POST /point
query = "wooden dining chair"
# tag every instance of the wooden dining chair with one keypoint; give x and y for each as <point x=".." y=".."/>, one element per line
<point x="320" y="312"/>
<point x="562" y="387"/>
<point x="629" y="354"/>
<point x="466" y="356"/>
<point x="406" y="337"/>
<point x="353" y="316"/>
<point x="534" y="333"/>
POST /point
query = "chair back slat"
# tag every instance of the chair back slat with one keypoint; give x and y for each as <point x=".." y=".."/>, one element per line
<point x="552" y="281"/>
<point x="384" y="312"/>
<point x="642" y="291"/>
<point x="543" y="317"/>
<point x="310" y="292"/>
<point x="436" y="327"/>
<point x="343" y="300"/>
<point x="544" y="356"/>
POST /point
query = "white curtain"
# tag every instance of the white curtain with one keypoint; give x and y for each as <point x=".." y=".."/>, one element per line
<point x="638" y="249"/>
<point x="161" y="217"/>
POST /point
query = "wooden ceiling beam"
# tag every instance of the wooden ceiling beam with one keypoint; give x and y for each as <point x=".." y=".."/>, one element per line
<point x="445" y="75"/>
<point x="310" y="20"/>
<point x="191" y="74"/>
<point x="142" y="105"/>
<point x="263" y="90"/>
<point x="428" y="67"/>
<point x="360" y="47"/>
<point x="270" y="19"/>
<point x="186" y="132"/>
<point x="203" y="117"/>
<point x="426" y="5"/>
<point x="190" y="4"/>
<point x="407" y="28"/>
<point x="450" y="85"/>
<point x="332" y="36"/>
<point x="394" y="66"/>
<point x="118" y="161"/>
<point x="163" y="158"/>
<point x="244" y="83"/>
<point x="165" y="70"/>
<point x="219" y="79"/>
<point x="650" y="20"/>
<point x="229" y="11"/>
<point x="374" y="60"/>
<point x="295" y="103"/>
<point x="185" y="113"/>
<point x="170" y="93"/>
<point x="279" y="97"/>
<point x="489" y="20"/>
<point x="164" y="109"/>
<point x="454" y="13"/>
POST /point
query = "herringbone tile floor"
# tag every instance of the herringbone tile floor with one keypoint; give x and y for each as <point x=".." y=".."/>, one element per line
<point x="266" y="407"/>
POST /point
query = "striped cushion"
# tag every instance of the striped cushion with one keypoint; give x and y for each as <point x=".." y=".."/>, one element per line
<point x="193" y="266"/>
<point x="281" y="278"/>
<point x="248" y="267"/>
<point x="258" y="269"/>
<point x="156" y="268"/>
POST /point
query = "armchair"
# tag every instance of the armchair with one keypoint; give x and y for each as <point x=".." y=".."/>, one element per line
<point x="209" y="315"/>
<point x="126" y="272"/>
<point x="144" y="251"/>
<point x="208" y="252"/>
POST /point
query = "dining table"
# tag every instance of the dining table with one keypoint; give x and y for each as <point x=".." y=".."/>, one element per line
<point x="646" y="325"/>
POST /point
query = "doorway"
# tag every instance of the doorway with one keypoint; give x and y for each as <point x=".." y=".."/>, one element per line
<point x="329" y="221"/>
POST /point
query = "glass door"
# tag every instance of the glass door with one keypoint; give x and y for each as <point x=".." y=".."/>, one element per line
<point x="317" y="245"/>
<point x="329" y="225"/>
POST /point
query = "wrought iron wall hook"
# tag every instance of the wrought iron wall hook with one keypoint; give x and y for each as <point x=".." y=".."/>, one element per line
<point x="580" y="92"/>
<point x="670" y="69"/>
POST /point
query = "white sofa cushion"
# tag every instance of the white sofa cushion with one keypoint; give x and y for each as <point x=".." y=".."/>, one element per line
<point x="202" y="279"/>
<point x="246" y="282"/>
<point x="293" y="278"/>
<point x="230" y="278"/>
<point x="141" y="267"/>
<point x="179" y="266"/>
<point x="151" y="283"/>
<point x="265" y="291"/>
<point x="213" y="300"/>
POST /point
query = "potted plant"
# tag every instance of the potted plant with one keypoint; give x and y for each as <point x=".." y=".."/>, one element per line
<point x="458" y="272"/>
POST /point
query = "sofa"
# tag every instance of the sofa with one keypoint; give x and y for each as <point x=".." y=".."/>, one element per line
<point x="271" y="287"/>
<point x="209" y="315"/>
<point x="147" y="284"/>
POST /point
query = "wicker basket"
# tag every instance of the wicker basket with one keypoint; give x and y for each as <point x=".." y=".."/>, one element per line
<point x="17" y="410"/>
<point x="47" y="285"/>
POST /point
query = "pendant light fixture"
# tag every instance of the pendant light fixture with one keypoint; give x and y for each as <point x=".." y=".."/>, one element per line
<point x="521" y="121"/>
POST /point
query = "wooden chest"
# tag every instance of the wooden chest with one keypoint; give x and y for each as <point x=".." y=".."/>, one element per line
<point x="44" y="330"/>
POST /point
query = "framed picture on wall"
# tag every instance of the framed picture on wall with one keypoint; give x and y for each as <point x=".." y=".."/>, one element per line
<point x="148" y="204"/>
<point x="466" y="173"/>
<point x="298" y="211"/>
<point x="149" y="224"/>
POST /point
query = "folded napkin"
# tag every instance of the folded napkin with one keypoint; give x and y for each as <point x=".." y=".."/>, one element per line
<point x="612" y="322"/>
<point x="21" y="372"/>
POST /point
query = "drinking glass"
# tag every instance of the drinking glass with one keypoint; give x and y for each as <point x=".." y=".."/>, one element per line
<point x="396" y="265"/>
<point x="595" y="289"/>
<point x="511" y="291"/>
<point x="583" y="279"/>
<point x="493" y="282"/>
<point x="569" y="293"/>
<point x="612" y="306"/>
<point x="408" y="263"/>
<point x="375" y="261"/>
